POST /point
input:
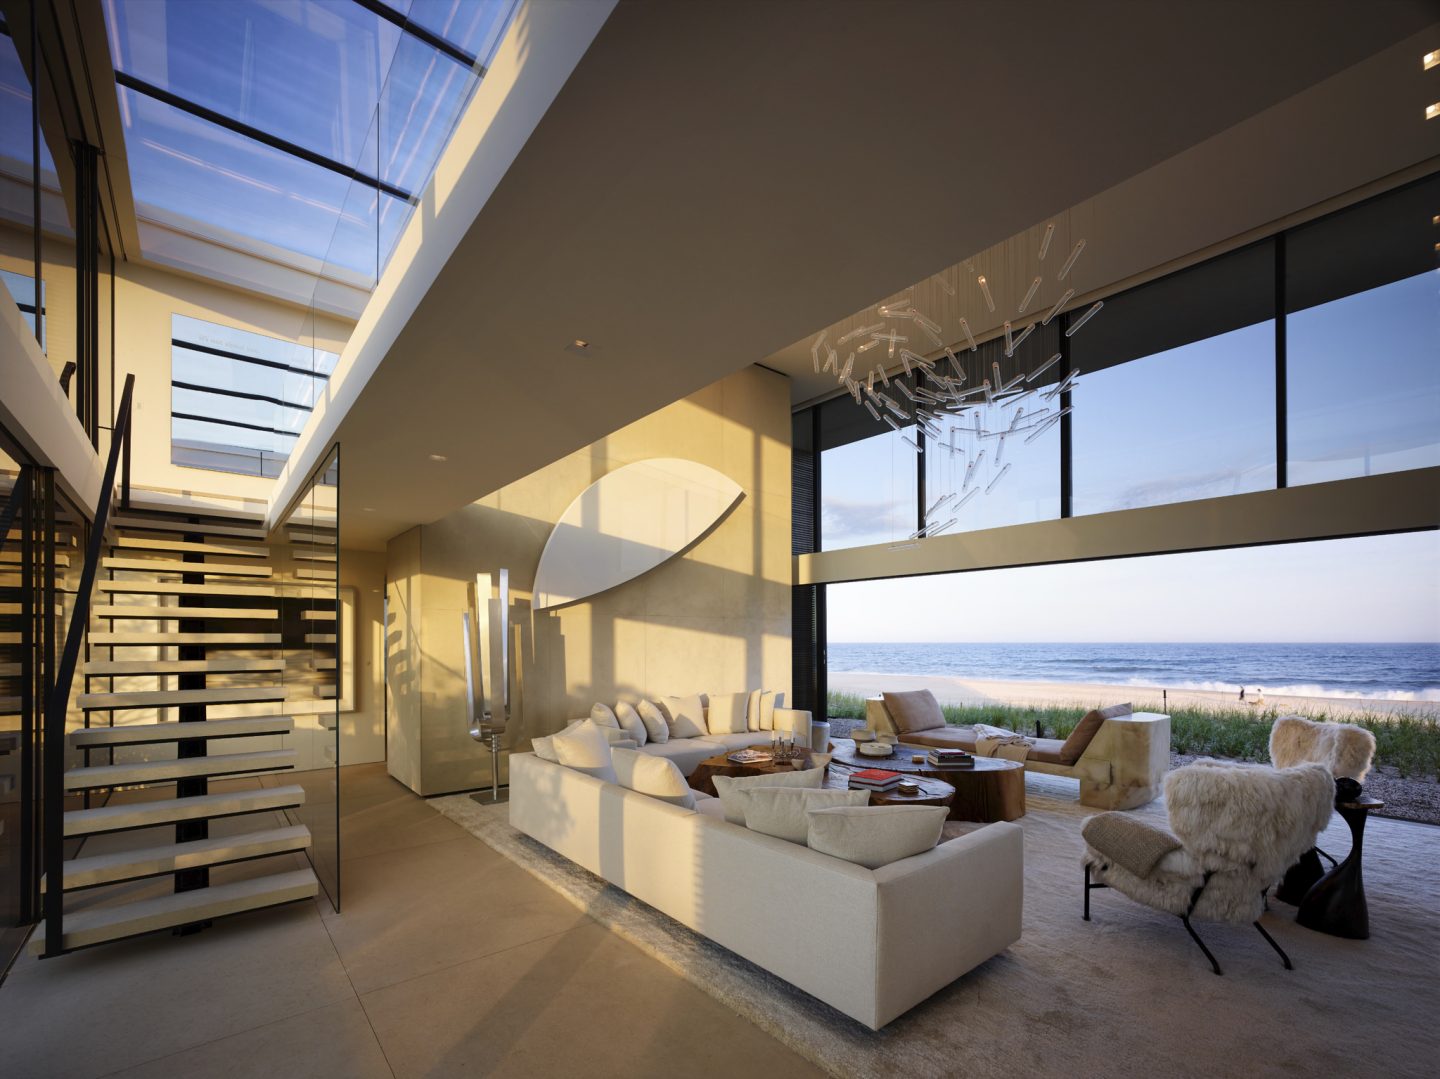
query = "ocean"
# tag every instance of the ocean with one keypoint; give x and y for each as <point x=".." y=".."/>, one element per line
<point x="1400" y="672"/>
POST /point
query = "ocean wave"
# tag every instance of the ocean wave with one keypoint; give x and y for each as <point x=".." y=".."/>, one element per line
<point x="1304" y="690"/>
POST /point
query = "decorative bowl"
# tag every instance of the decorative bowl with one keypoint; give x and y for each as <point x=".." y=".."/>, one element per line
<point x="908" y="786"/>
<point x="875" y="749"/>
<point x="862" y="734"/>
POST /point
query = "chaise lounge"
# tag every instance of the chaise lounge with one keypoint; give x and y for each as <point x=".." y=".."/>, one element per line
<point x="1120" y="757"/>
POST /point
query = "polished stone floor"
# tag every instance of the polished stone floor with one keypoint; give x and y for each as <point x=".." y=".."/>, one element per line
<point x="447" y="959"/>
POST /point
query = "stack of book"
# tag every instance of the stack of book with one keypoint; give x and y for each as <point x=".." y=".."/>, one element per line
<point x="950" y="758"/>
<point x="875" y="779"/>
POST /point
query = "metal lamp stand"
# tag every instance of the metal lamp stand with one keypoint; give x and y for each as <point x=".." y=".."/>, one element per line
<point x="495" y="795"/>
<point x="488" y="644"/>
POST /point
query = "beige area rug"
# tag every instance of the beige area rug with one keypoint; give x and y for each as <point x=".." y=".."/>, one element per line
<point x="1125" y="995"/>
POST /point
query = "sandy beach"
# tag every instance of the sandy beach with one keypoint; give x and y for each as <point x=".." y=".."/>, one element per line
<point x="953" y="690"/>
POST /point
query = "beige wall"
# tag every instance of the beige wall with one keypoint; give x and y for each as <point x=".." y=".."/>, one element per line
<point x="145" y="298"/>
<point x="714" y="620"/>
<point x="362" y="731"/>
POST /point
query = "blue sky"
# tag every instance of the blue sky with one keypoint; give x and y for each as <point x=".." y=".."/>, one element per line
<point x="1383" y="588"/>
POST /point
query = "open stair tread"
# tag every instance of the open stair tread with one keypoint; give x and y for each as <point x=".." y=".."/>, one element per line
<point x="205" y="528"/>
<point x="174" y="613"/>
<point x="146" y="500"/>
<point x="173" y="565"/>
<point x="162" y="639"/>
<point x="109" y="668"/>
<point x="221" y="764"/>
<point x="235" y="550"/>
<point x="179" y="588"/>
<point x="157" y="698"/>
<point x="102" y="924"/>
<point x="87" y="872"/>
<point x="119" y="818"/>
<point x="137" y="734"/>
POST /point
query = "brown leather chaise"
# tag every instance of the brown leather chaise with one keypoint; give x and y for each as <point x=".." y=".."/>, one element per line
<point x="1120" y="757"/>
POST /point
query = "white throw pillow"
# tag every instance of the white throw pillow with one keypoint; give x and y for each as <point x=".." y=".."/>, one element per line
<point x="784" y="812"/>
<point x="657" y="777"/>
<point x="728" y="712"/>
<point x="630" y="722"/>
<point x="873" y="836"/>
<point x="686" y="716"/>
<point x="656" y="729"/>
<point x="544" y="748"/>
<point x="761" y="715"/>
<point x="603" y="716"/>
<point x="584" y="748"/>
<point x="734" y="791"/>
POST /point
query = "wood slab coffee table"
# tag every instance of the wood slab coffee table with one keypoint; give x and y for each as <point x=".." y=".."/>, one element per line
<point x="703" y="777"/>
<point x="933" y="792"/>
<point x="993" y="790"/>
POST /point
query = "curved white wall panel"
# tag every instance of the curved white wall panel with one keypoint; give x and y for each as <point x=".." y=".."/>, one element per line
<point x="628" y="522"/>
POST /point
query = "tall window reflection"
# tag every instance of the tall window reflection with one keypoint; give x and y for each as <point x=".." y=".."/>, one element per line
<point x="867" y="479"/>
<point x="1364" y="339"/>
<point x="1176" y="396"/>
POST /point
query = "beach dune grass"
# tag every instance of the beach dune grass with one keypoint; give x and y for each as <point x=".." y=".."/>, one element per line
<point x="1408" y="743"/>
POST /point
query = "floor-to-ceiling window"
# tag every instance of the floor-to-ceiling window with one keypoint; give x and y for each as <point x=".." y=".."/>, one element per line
<point x="1309" y="356"/>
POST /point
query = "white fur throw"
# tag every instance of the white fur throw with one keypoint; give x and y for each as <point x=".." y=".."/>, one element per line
<point x="1243" y="824"/>
<point x="1344" y="748"/>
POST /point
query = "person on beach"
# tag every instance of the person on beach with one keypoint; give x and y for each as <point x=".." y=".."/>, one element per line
<point x="1242" y="693"/>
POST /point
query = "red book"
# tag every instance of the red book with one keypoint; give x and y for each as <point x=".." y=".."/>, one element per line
<point x="876" y="775"/>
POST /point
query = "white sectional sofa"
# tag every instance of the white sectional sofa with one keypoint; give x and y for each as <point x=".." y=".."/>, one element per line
<point x="870" y="943"/>
<point x="689" y="752"/>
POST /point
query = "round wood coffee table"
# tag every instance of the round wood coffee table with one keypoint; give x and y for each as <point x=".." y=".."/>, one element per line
<point x="933" y="792"/>
<point x="703" y="777"/>
<point x="991" y="791"/>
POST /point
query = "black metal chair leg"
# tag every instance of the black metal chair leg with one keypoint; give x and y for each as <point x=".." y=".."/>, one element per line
<point x="1087" y="893"/>
<point x="1271" y="941"/>
<point x="1327" y="856"/>
<point x="1196" y="938"/>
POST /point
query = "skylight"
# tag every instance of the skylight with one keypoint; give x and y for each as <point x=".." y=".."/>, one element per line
<point x="297" y="131"/>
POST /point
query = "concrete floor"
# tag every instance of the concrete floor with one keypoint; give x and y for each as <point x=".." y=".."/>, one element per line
<point x="447" y="960"/>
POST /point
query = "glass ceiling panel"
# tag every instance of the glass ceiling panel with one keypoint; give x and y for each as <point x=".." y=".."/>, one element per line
<point x="203" y="179"/>
<point x="476" y="26"/>
<point x="325" y="77"/>
<point x="308" y="72"/>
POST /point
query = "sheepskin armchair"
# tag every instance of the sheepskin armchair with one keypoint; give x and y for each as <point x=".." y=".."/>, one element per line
<point x="1347" y="751"/>
<point x="1344" y="748"/>
<point x="1234" y="830"/>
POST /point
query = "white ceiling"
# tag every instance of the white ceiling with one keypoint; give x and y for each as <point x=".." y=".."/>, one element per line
<point x="717" y="181"/>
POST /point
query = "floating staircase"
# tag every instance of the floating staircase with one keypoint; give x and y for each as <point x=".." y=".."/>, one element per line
<point x="189" y="620"/>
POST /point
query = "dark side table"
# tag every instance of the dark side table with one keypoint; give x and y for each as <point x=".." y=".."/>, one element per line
<point x="1335" y="904"/>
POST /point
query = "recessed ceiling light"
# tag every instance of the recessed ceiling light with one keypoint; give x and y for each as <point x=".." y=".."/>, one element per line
<point x="367" y="509"/>
<point x="580" y="347"/>
<point x="1432" y="111"/>
<point x="1431" y="59"/>
<point x="438" y="457"/>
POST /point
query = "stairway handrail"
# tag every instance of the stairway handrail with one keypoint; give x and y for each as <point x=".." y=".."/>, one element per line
<point x="57" y="706"/>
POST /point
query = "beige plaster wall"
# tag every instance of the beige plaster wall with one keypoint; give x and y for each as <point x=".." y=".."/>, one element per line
<point x="362" y="731"/>
<point x="714" y="620"/>
<point x="145" y="298"/>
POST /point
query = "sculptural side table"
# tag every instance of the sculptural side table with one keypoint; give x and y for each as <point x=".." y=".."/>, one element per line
<point x="1336" y="902"/>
